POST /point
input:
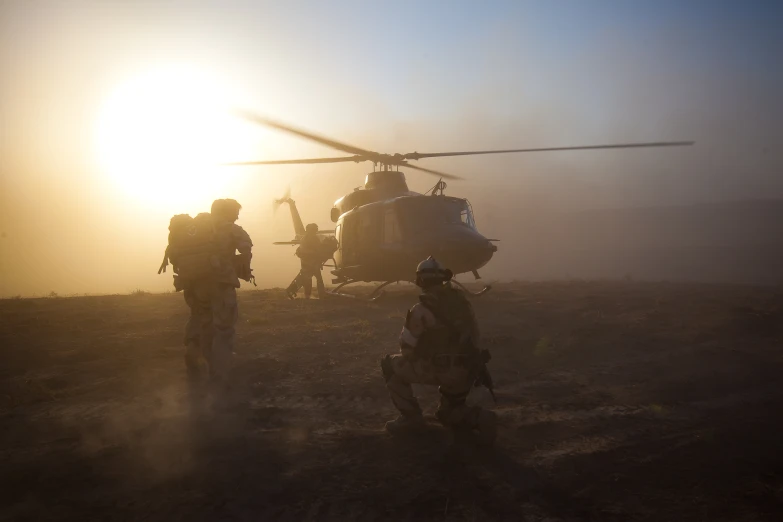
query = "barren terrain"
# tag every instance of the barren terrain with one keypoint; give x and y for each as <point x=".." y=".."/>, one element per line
<point x="617" y="400"/>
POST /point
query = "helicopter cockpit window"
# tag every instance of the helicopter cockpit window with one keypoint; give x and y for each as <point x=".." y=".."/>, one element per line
<point x="467" y="215"/>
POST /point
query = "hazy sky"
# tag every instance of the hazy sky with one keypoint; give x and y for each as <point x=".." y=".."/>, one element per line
<point x="111" y="114"/>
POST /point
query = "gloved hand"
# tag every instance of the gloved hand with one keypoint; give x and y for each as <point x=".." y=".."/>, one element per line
<point x="242" y="267"/>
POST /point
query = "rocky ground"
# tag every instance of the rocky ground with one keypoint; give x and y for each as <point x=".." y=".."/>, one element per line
<point x="617" y="401"/>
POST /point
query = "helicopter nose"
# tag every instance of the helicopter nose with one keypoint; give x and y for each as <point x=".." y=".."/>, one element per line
<point x="464" y="256"/>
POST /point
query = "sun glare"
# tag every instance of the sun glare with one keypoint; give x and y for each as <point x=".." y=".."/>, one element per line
<point x="162" y="135"/>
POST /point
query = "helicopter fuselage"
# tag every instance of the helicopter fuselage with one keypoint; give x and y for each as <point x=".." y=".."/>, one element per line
<point x="387" y="230"/>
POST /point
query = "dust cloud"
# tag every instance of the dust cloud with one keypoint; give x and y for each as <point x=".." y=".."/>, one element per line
<point x="709" y="212"/>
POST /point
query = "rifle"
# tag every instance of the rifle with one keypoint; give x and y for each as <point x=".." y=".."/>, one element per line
<point x="243" y="270"/>
<point x="484" y="378"/>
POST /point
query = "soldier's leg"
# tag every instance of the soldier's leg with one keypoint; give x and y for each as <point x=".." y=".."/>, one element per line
<point x="224" y="318"/>
<point x="307" y="282"/>
<point x="453" y="410"/>
<point x="320" y="283"/>
<point x="400" y="372"/>
<point x="192" y="334"/>
<point x="455" y="413"/>
<point x="197" y="334"/>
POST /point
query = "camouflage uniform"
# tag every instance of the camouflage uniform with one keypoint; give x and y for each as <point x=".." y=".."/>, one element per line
<point x="430" y="355"/>
<point x="209" y="333"/>
<point x="309" y="252"/>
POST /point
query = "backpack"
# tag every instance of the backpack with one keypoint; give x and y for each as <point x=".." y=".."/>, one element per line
<point x="192" y="249"/>
<point x="329" y="246"/>
<point x="453" y="310"/>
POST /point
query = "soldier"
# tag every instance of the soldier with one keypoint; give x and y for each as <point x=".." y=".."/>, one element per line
<point x="310" y="253"/>
<point x="212" y="298"/>
<point x="438" y="346"/>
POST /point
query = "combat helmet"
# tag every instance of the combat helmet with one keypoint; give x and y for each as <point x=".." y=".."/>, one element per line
<point x="430" y="272"/>
<point x="311" y="228"/>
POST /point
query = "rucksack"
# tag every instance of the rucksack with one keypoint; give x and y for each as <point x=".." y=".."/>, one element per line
<point x="192" y="249"/>
<point x="453" y="310"/>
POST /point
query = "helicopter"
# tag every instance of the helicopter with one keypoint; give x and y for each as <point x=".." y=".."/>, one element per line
<point x="383" y="230"/>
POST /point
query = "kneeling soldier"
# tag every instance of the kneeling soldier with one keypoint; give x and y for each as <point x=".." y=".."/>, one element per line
<point x="438" y="346"/>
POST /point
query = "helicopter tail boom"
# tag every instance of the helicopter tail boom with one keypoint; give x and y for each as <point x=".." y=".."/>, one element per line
<point x="299" y="228"/>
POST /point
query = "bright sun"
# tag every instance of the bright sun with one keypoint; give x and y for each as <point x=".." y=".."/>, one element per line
<point x="162" y="135"/>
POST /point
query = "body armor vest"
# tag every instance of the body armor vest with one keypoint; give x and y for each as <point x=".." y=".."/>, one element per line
<point x="456" y="324"/>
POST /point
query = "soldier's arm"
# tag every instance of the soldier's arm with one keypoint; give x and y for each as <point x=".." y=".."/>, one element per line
<point x="242" y="241"/>
<point x="418" y="319"/>
<point x="244" y="245"/>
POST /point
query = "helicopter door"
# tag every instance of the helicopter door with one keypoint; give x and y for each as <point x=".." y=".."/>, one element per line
<point x="338" y="256"/>
<point x="348" y="240"/>
<point x="391" y="227"/>
<point x="369" y="234"/>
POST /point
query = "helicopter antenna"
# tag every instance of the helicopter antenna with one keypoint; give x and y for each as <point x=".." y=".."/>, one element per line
<point x="438" y="189"/>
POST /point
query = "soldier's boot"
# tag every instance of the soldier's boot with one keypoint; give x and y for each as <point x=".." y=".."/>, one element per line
<point x="456" y="415"/>
<point x="413" y="423"/>
<point x="321" y="288"/>
<point x="452" y="409"/>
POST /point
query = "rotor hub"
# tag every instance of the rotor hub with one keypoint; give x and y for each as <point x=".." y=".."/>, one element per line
<point x="388" y="180"/>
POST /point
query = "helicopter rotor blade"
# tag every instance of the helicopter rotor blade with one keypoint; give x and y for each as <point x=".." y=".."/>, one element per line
<point x="350" y="149"/>
<point x="428" y="171"/>
<point x="417" y="155"/>
<point x="303" y="161"/>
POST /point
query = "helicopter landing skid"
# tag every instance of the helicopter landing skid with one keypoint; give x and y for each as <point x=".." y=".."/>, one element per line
<point x="483" y="291"/>
<point x="374" y="295"/>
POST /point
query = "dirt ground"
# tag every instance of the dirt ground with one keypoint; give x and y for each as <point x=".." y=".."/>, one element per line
<point x="617" y="401"/>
